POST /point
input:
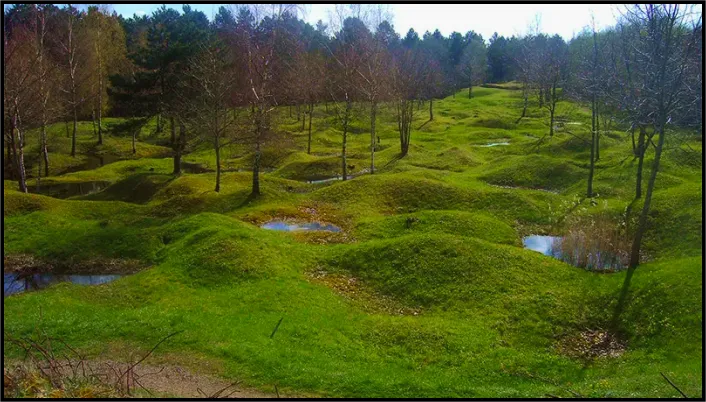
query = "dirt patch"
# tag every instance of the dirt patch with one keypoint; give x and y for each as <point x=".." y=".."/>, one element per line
<point x="592" y="344"/>
<point x="155" y="381"/>
<point x="26" y="264"/>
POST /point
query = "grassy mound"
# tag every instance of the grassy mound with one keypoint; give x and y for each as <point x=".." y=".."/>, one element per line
<point x="139" y="188"/>
<point x="675" y="223"/>
<point x="536" y="171"/>
<point x="211" y="250"/>
<point x="453" y="159"/>
<point x="449" y="271"/>
<point x="458" y="223"/>
<point x="311" y="170"/>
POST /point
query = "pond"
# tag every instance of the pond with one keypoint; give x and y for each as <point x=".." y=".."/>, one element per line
<point x="12" y="283"/>
<point x="494" y="144"/>
<point x="339" y="177"/>
<point x="65" y="190"/>
<point x="542" y="244"/>
<point x="94" y="161"/>
<point x="575" y="253"/>
<point x="330" y="179"/>
<point x="296" y="227"/>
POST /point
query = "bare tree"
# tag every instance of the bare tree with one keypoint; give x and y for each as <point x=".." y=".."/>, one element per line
<point x="105" y="45"/>
<point x="408" y="74"/>
<point x="373" y="81"/>
<point x="43" y="70"/>
<point x="663" y="54"/>
<point x="474" y="61"/>
<point x="551" y="73"/>
<point x="261" y="59"/>
<point x="343" y="73"/>
<point x="210" y="71"/>
<point x="433" y="82"/>
<point x="526" y="60"/>
<point x="69" y="44"/>
<point x="20" y="95"/>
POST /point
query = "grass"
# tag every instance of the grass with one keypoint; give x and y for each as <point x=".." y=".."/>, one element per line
<point x="426" y="293"/>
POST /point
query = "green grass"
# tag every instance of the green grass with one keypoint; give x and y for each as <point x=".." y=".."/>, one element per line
<point x="426" y="293"/>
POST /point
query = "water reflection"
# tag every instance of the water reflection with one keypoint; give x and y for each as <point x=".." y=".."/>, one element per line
<point x="576" y="253"/>
<point x="12" y="283"/>
<point x="65" y="190"/>
<point x="294" y="227"/>
<point x="494" y="144"/>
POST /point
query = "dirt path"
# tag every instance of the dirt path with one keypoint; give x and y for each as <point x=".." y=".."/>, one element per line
<point x="159" y="381"/>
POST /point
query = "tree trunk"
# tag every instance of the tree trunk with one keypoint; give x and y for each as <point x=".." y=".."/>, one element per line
<point x="641" y="149"/>
<point x="525" y="96"/>
<point x="304" y="121"/>
<point x="217" y="148"/>
<point x="404" y="125"/>
<point x="598" y="137"/>
<point x="39" y="170"/>
<point x="134" y="137"/>
<point x="552" y="108"/>
<point x="373" y="112"/>
<point x="589" y="190"/>
<point x="469" y="90"/>
<point x="258" y="153"/>
<point x="642" y="223"/>
<point x="640" y="230"/>
<point x="178" y="149"/>
<point x="73" y="135"/>
<point x="93" y="121"/>
<point x="431" y="110"/>
<point x="345" y="138"/>
<point x="9" y="165"/>
<point x="44" y="152"/>
<point x="256" y="170"/>
<point x="18" y="142"/>
<point x="311" y="114"/>
<point x="173" y="132"/>
<point x="159" y="123"/>
<point x="66" y="126"/>
<point x="632" y="136"/>
<point x="100" y="111"/>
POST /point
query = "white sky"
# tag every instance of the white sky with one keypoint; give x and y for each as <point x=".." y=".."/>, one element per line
<point x="506" y="19"/>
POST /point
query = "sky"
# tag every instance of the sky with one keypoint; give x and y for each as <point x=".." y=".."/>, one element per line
<point x="506" y="19"/>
